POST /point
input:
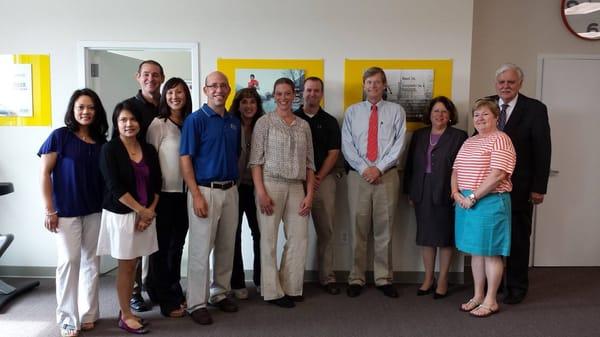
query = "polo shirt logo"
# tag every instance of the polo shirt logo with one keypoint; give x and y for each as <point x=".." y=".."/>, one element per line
<point x="233" y="126"/>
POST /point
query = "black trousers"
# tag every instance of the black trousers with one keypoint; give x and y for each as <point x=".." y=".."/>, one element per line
<point x="246" y="205"/>
<point x="164" y="274"/>
<point x="517" y="264"/>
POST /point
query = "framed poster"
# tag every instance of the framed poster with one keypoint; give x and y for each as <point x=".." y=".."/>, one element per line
<point x="261" y="74"/>
<point x="410" y="83"/>
<point x="25" y="90"/>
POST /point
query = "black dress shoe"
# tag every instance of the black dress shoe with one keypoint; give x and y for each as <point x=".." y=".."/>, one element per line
<point x="388" y="290"/>
<point x="298" y="298"/>
<point x="354" y="290"/>
<point x="284" y="302"/>
<point x="512" y="298"/>
<point x="331" y="288"/>
<point x="201" y="316"/>
<point x="226" y="305"/>
<point x="137" y="303"/>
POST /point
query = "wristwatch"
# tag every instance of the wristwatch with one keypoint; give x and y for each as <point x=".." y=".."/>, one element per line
<point x="472" y="198"/>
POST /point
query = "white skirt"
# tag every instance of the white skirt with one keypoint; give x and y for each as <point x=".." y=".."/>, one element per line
<point x="119" y="239"/>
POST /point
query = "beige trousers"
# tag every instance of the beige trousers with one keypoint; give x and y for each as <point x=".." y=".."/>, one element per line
<point x="290" y="277"/>
<point x="214" y="233"/>
<point x="372" y="207"/>
<point x="323" y="215"/>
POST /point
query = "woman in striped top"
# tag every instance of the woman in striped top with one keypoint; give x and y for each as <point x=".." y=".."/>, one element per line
<point x="480" y="186"/>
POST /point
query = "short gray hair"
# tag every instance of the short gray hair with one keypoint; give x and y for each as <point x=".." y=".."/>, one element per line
<point x="510" y="66"/>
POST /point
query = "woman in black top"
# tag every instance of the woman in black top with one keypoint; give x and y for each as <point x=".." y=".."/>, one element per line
<point x="427" y="183"/>
<point x="132" y="175"/>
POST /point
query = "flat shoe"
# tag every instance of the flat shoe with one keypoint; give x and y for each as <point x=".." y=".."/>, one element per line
<point x="438" y="296"/>
<point x="487" y="313"/>
<point x="470" y="305"/>
<point x="421" y="292"/>
<point x="138" y="331"/>
<point x="177" y="313"/>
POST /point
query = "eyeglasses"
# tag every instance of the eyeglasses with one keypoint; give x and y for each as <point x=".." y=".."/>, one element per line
<point x="215" y="86"/>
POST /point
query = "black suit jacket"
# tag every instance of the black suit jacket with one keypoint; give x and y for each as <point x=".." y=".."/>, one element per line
<point x="529" y="131"/>
<point x="442" y="159"/>
<point x="119" y="177"/>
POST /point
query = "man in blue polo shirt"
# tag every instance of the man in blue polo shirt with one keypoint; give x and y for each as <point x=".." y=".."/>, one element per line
<point x="210" y="143"/>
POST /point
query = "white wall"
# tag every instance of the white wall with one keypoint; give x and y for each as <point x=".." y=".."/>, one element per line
<point x="329" y="30"/>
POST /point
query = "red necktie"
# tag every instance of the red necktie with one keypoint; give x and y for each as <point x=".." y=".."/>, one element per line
<point x="372" y="135"/>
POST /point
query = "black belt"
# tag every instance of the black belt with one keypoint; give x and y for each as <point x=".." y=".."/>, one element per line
<point x="222" y="186"/>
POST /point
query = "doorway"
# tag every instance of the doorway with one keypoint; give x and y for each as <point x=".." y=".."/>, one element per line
<point x="566" y="227"/>
<point x="109" y="68"/>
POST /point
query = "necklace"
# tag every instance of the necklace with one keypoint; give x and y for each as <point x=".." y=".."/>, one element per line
<point x="431" y="140"/>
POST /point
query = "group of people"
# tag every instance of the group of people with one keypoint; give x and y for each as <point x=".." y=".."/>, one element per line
<point x="167" y="171"/>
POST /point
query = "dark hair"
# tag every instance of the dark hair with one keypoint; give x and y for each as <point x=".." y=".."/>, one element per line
<point x="487" y="103"/>
<point x="316" y="79"/>
<point x="99" y="127"/>
<point x="163" y="108"/>
<point x="162" y="72"/>
<point x="284" y="80"/>
<point x="237" y="100"/>
<point x="453" y="115"/>
<point x="374" y="71"/>
<point x="119" y="108"/>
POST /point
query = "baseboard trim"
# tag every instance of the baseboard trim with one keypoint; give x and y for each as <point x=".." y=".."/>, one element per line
<point x="309" y="275"/>
<point x="38" y="272"/>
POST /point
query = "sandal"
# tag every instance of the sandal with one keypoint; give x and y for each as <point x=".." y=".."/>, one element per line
<point x="469" y="306"/>
<point x="177" y="313"/>
<point x="487" y="313"/>
<point x="68" y="331"/>
<point x="87" y="326"/>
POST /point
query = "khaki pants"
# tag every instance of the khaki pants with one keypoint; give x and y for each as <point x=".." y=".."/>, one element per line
<point x="323" y="214"/>
<point x="290" y="278"/>
<point x="372" y="207"/>
<point x="217" y="231"/>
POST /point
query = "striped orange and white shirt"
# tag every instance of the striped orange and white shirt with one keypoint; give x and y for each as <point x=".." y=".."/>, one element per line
<point x="479" y="155"/>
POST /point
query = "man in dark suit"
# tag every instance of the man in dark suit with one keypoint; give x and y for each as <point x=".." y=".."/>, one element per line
<point x="525" y="120"/>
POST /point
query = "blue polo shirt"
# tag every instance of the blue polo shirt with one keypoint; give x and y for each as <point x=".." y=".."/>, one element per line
<point x="213" y="143"/>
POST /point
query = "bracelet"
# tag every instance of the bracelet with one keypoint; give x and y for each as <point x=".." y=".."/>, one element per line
<point x="52" y="213"/>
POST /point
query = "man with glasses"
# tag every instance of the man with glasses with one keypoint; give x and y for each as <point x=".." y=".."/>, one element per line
<point x="210" y="144"/>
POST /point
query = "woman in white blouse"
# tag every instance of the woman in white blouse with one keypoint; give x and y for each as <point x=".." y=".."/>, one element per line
<point x="171" y="212"/>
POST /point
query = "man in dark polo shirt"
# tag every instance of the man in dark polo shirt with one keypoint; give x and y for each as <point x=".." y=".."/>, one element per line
<point x="210" y="145"/>
<point x="326" y="139"/>
<point x="150" y="76"/>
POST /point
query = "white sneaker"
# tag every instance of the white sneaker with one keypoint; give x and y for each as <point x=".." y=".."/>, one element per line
<point x="240" y="294"/>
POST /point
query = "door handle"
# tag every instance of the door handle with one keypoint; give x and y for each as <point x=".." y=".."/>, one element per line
<point x="554" y="173"/>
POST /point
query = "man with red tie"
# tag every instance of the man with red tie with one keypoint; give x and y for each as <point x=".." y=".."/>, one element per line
<point x="372" y="141"/>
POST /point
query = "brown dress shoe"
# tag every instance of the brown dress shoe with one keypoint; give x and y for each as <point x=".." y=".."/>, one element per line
<point x="331" y="288"/>
<point x="226" y="305"/>
<point x="388" y="290"/>
<point x="201" y="316"/>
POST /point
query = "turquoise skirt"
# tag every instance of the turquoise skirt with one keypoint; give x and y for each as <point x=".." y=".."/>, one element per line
<point x="484" y="229"/>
